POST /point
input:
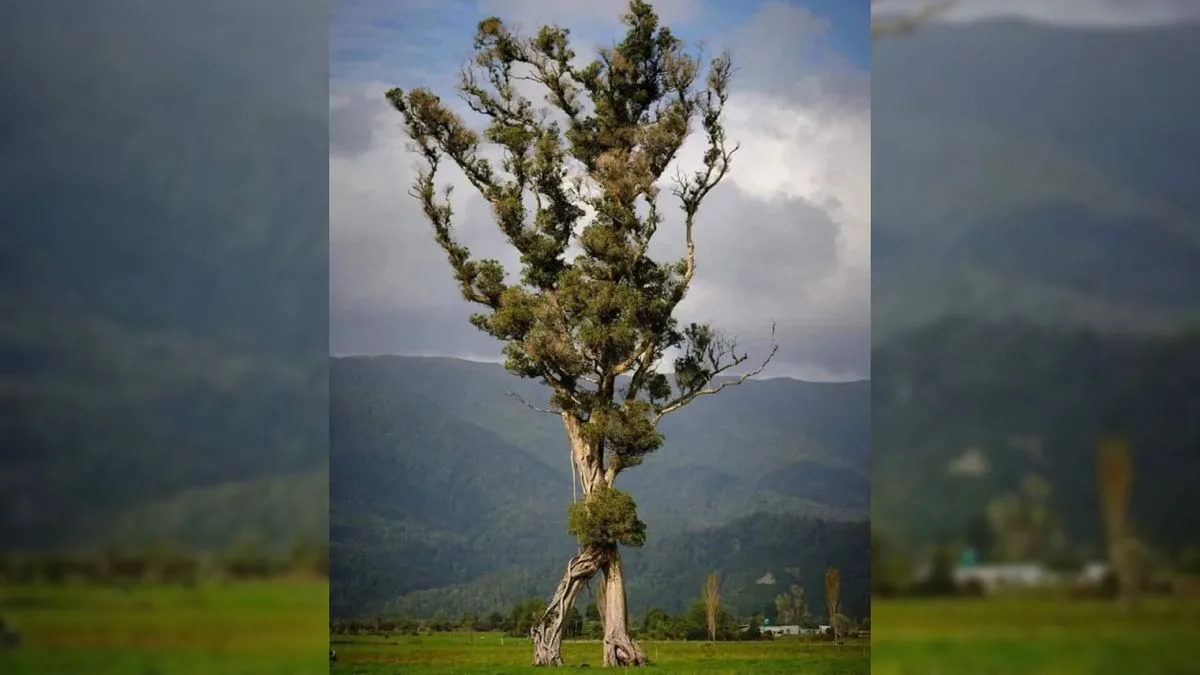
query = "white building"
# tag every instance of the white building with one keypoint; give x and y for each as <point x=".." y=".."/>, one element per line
<point x="993" y="576"/>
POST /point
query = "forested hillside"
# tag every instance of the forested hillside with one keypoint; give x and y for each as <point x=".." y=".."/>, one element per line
<point x="446" y="491"/>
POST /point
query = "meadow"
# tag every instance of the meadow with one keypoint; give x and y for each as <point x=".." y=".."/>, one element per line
<point x="455" y="653"/>
<point x="273" y="627"/>
<point x="1034" y="636"/>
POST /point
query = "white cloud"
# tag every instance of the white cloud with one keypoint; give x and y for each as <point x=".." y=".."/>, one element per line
<point x="785" y="238"/>
<point x="1083" y="13"/>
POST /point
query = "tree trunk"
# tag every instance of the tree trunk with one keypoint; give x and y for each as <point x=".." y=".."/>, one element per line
<point x="619" y="648"/>
<point x="547" y="634"/>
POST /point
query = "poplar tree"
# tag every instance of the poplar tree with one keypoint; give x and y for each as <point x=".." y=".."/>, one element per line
<point x="576" y="192"/>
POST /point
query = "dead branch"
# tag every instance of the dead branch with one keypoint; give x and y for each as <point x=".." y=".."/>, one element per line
<point x="532" y="406"/>
<point x="689" y="396"/>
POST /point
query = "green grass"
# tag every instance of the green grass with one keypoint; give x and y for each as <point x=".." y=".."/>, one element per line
<point x="447" y="654"/>
<point x="1034" y="636"/>
<point x="268" y="628"/>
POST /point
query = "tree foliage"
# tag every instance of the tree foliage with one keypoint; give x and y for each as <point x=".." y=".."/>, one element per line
<point x="574" y="188"/>
<point x="607" y="515"/>
<point x="576" y="193"/>
<point x="791" y="607"/>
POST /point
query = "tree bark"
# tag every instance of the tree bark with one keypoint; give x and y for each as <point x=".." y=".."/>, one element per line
<point x="547" y="634"/>
<point x="619" y="648"/>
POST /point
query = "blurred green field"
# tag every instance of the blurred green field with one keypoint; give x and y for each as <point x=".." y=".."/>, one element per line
<point x="277" y="627"/>
<point x="1034" y="636"/>
<point x="455" y="653"/>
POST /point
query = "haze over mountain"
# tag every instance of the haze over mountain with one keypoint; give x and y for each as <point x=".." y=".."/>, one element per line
<point x="1036" y="257"/>
<point x="163" y="275"/>
<point x="446" y="492"/>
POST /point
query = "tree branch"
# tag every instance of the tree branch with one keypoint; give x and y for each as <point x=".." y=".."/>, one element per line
<point x="692" y="393"/>
<point x="531" y="406"/>
<point x="692" y="191"/>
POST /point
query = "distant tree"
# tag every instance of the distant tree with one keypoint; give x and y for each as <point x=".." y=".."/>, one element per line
<point x="940" y="579"/>
<point x="833" y="591"/>
<point x="495" y="621"/>
<point x="440" y="623"/>
<point x="654" y="621"/>
<point x="596" y="324"/>
<point x="710" y="595"/>
<point x="791" y="607"/>
<point x="753" y="628"/>
<point x="247" y="560"/>
<point x="1115" y="473"/>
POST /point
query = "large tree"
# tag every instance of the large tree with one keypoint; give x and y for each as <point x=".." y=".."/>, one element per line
<point x="576" y="193"/>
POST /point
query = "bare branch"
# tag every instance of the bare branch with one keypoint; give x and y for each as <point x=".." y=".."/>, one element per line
<point x="532" y="406"/>
<point x="692" y="191"/>
<point x="693" y="393"/>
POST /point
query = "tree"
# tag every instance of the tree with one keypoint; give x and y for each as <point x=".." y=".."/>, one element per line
<point x="1023" y="524"/>
<point x="1115" y="475"/>
<point x="710" y="595"/>
<point x="833" y="590"/>
<point x="790" y="606"/>
<point x="594" y="323"/>
<point x="753" y="628"/>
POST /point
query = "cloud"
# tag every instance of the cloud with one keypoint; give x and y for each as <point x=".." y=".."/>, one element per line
<point x="786" y="237"/>
<point x="1081" y="13"/>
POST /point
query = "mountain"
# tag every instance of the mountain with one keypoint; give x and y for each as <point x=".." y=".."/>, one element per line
<point x="1034" y="172"/>
<point x="444" y="487"/>
<point x="163" y="276"/>
<point x="1036" y="259"/>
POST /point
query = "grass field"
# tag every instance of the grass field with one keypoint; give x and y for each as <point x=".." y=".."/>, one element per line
<point x="451" y="653"/>
<point x="1032" y="636"/>
<point x="265" y="628"/>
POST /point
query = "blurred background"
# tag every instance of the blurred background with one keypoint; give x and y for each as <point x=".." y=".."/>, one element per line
<point x="163" y="378"/>
<point x="1036" y="360"/>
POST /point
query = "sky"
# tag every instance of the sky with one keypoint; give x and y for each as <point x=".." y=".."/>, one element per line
<point x="1109" y="14"/>
<point x="784" y="239"/>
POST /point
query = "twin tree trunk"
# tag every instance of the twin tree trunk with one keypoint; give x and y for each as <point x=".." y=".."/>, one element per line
<point x="619" y="648"/>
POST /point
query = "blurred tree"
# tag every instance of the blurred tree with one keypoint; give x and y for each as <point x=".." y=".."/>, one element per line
<point x="1115" y="473"/>
<point x="790" y="607"/>
<point x="833" y="590"/>
<point x="710" y="595"/>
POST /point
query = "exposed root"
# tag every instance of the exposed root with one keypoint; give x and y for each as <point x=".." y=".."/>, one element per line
<point x="620" y="651"/>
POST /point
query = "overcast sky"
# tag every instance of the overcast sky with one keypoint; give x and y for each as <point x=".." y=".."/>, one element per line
<point x="785" y="238"/>
<point x="1083" y="13"/>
